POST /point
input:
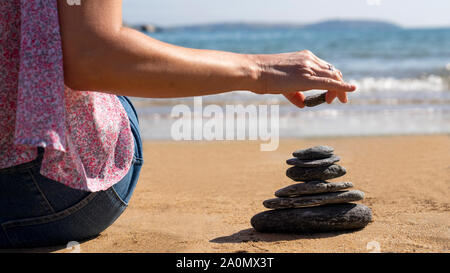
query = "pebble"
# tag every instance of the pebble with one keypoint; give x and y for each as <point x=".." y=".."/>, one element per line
<point x="313" y="163"/>
<point x="323" y="218"/>
<point x="312" y="187"/>
<point x="314" y="200"/>
<point x="316" y="173"/>
<point x="317" y="152"/>
<point x="314" y="100"/>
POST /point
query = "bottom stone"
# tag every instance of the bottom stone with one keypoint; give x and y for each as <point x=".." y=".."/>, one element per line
<point x="323" y="218"/>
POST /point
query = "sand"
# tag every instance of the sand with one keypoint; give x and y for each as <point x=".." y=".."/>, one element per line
<point x="200" y="196"/>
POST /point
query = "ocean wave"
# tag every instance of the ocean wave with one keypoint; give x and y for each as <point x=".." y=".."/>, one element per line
<point x="436" y="83"/>
<point x="432" y="89"/>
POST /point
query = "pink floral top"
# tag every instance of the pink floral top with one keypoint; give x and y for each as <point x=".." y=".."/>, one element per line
<point x="86" y="135"/>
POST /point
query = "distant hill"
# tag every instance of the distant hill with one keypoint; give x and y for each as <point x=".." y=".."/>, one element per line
<point x="351" y="24"/>
<point x="235" y="26"/>
<point x="325" y="25"/>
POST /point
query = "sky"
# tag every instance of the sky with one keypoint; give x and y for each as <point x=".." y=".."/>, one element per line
<point x="407" y="13"/>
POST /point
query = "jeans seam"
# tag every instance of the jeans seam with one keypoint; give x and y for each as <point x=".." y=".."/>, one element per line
<point x="118" y="197"/>
<point x="138" y="141"/>
<point x="48" y="218"/>
<point x="138" y="161"/>
<point x="41" y="192"/>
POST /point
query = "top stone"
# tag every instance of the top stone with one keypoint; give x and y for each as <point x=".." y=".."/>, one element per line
<point x="317" y="152"/>
<point x="315" y="100"/>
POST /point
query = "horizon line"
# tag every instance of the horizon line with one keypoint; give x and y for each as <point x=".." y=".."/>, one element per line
<point x="292" y="23"/>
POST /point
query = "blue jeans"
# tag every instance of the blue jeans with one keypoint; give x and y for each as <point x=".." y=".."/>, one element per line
<point x="36" y="211"/>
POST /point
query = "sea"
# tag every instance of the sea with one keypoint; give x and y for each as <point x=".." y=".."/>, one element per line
<point x="403" y="79"/>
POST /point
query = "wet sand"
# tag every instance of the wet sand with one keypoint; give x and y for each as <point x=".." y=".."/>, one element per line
<point x="200" y="196"/>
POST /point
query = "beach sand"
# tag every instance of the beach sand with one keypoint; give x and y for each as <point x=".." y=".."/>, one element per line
<point x="200" y="196"/>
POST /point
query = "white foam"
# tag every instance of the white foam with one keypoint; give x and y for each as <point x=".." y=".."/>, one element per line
<point x="427" y="83"/>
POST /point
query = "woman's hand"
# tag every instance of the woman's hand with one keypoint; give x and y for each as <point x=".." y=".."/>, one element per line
<point x="290" y="73"/>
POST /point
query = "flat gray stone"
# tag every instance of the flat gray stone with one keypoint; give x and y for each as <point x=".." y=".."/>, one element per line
<point x="314" y="100"/>
<point x="317" y="173"/>
<point x="313" y="163"/>
<point x="314" y="200"/>
<point x="312" y="187"/>
<point x="317" y="152"/>
<point x="315" y="219"/>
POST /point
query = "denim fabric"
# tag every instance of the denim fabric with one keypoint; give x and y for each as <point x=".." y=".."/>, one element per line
<point x="36" y="211"/>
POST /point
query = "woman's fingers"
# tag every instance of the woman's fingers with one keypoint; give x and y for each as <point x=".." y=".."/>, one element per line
<point x="330" y="96"/>
<point x="321" y="63"/>
<point x="296" y="98"/>
<point x="332" y="93"/>
<point x="325" y="65"/>
<point x="327" y="73"/>
<point x="330" y="84"/>
<point x="342" y="96"/>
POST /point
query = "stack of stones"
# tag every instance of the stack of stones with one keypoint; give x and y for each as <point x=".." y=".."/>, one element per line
<point x="314" y="204"/>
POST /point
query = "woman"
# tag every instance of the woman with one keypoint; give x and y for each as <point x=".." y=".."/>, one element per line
<point x="70" y="159"/>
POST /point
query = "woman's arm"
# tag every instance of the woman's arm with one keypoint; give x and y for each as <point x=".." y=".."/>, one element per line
<point x="100" y="54"/>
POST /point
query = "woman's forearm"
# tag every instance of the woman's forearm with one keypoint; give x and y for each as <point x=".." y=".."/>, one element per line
<point x="133" y="64"/>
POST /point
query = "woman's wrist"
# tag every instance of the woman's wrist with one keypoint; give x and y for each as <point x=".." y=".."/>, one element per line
<point x="254" y="74"/>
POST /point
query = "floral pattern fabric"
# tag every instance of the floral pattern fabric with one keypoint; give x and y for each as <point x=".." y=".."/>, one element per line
<point x="86" y="135"/>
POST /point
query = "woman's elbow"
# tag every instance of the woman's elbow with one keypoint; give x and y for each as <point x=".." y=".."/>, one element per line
<point x="75" y="78"/>
<point x="80" y="70"/>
